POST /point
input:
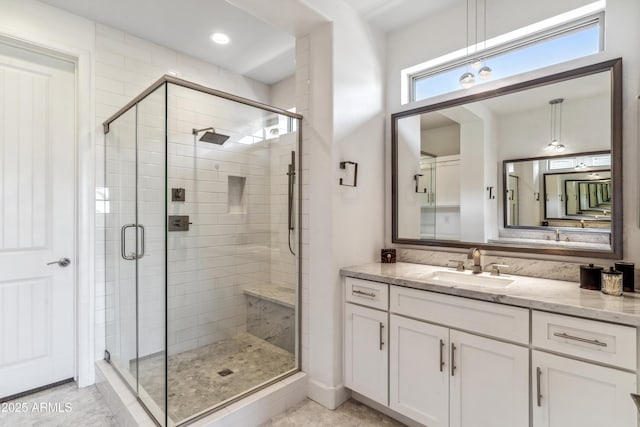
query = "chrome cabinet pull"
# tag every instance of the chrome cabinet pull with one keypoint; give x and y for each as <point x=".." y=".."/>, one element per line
<point x="381" y="329"/>
<point x="363" y="293"/>
<point x="538" y="394"/>
<point x="574" y="338"/>
<point x="441" y="355"/>
<point x="123" y="243"/>
<point x="453" y="363"/>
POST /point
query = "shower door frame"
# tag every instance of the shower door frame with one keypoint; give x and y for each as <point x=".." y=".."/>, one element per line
<point x="164" y="81"/>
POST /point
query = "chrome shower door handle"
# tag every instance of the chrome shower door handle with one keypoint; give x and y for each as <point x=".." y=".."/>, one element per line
<point x="141" y="253"/>
<point x="123" y="244"/>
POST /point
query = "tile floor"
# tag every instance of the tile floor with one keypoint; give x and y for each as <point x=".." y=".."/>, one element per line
<point x="65" y="405"/>
<point x="349" y="414"/>
<point x="90" y="410"/>
<point x="194" y="382"/>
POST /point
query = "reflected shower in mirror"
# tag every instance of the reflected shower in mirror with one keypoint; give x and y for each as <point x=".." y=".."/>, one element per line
<point x="569" y="191"/>
<point x="530" y="167"/>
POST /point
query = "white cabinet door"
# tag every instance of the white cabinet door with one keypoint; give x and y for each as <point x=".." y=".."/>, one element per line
<point x="419" y="371"/>
<point x="571" y="393"/>
<point x="489" y="382"/>
<point x="366" y="354"/>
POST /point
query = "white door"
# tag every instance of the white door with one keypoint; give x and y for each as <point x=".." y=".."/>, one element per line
<point x="419" y="371"/>
<point x="489" y="383"/>
<point x="37" y="196"/>
<point x="571" y="393"/>
<point x="366" y="353"/>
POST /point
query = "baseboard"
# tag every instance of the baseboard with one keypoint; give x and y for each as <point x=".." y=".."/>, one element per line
<point x="329" y="397"/>
<point x="385" y="410"/>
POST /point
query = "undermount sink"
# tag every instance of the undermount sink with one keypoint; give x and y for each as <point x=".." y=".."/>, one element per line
<point x="468" y="278"/>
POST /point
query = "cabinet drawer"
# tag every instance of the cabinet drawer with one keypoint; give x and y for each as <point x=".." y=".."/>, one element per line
<point x="365" y="292"/>
<point x="587" y="339"/>
<point x="495" y="320"/>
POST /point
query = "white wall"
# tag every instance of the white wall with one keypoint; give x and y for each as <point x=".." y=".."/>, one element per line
<point x="441" y="141"/>
<point x="585" y="127"/>
<point x="283" y="93"/>
<point x="344" y="122"/>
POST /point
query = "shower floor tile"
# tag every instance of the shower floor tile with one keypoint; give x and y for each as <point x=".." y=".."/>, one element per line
<point x="194" y="381"/>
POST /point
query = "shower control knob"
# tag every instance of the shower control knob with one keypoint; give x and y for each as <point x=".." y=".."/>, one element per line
<point x="62" y="262"/>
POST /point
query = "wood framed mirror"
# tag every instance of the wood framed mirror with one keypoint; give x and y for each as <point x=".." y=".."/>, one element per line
<point x="485" y="170"/>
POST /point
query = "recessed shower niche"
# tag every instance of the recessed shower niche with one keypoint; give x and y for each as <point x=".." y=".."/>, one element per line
<point x="176" y="302"/>
<point x="236" y="197"/>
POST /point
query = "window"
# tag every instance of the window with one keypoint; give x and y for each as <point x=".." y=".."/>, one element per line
<point x="536" y="46"/>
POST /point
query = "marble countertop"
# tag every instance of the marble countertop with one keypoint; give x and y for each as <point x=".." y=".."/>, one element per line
<point x="541" y="294"/>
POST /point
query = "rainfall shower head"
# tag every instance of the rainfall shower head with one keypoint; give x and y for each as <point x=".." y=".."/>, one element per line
<point x="211" y="136"/>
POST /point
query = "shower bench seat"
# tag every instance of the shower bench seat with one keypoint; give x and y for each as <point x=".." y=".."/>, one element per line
<point x="271" y="314"/>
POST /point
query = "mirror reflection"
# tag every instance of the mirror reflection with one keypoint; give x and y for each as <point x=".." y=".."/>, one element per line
<point x="573" y="191"/>
<point x="530" y="167"/>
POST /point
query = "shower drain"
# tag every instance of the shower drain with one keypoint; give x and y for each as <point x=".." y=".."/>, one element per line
<point x="225" y="372"/>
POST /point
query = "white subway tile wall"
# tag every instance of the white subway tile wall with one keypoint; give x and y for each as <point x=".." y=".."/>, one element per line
<point x="302" y="107"/>
<point x="224" y="252"/>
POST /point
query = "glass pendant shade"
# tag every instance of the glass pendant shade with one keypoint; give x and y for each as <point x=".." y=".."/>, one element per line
<point x="467" y="80"/>
<point x="485" y="72"/>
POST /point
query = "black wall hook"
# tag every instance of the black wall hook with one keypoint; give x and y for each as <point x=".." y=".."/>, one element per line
<point x="343" y="165"/>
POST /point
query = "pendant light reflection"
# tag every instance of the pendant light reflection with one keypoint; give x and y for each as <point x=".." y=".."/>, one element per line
<point x="556" y="126"/>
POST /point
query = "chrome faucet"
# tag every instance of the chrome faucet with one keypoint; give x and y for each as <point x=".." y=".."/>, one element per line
<point x="557" y="234"/>
<point x="474" y="254"/>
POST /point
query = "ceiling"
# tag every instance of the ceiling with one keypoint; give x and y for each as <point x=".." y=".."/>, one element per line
<point x="257" y="49"/>
<point x="391" y="15"/>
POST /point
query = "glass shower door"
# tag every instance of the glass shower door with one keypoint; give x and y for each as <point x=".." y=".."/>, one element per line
<point x="120" y="211"/>
<point x="135" y="250"/>
<point x="151" y="202"/>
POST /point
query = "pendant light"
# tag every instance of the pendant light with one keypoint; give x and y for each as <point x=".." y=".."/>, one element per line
<point x="485" y="71"/>
<point x="556" y="126"/>
<point x="468" y="79"/>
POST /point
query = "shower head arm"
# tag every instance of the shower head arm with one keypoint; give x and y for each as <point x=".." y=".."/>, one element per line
<point x="197" y="131"/>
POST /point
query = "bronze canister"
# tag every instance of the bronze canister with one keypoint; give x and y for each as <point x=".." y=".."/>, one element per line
<point x="591" y="277"/>
<point x="628" y="272"/>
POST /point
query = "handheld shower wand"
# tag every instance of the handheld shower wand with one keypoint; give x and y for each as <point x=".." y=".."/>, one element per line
<point x="291" y="174"/>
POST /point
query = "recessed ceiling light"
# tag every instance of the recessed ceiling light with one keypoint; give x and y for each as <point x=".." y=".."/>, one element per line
<point x="220" y="38"/>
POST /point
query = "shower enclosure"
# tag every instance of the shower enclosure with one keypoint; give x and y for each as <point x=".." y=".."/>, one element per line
<point x="201" y="206"/>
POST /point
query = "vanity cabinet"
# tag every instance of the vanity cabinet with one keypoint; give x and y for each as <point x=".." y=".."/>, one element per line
<point x="576" y="392"/>
<point x="489" y="382"/>
<point x="366" y="356"/>
<point x="445" y="377"/>
<point x="418" y="371"/>
<point x="569" y="392"/>
<point x="449" y="361"/>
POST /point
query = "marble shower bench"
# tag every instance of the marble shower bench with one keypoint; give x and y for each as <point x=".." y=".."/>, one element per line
<point x="271" y="314"/>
